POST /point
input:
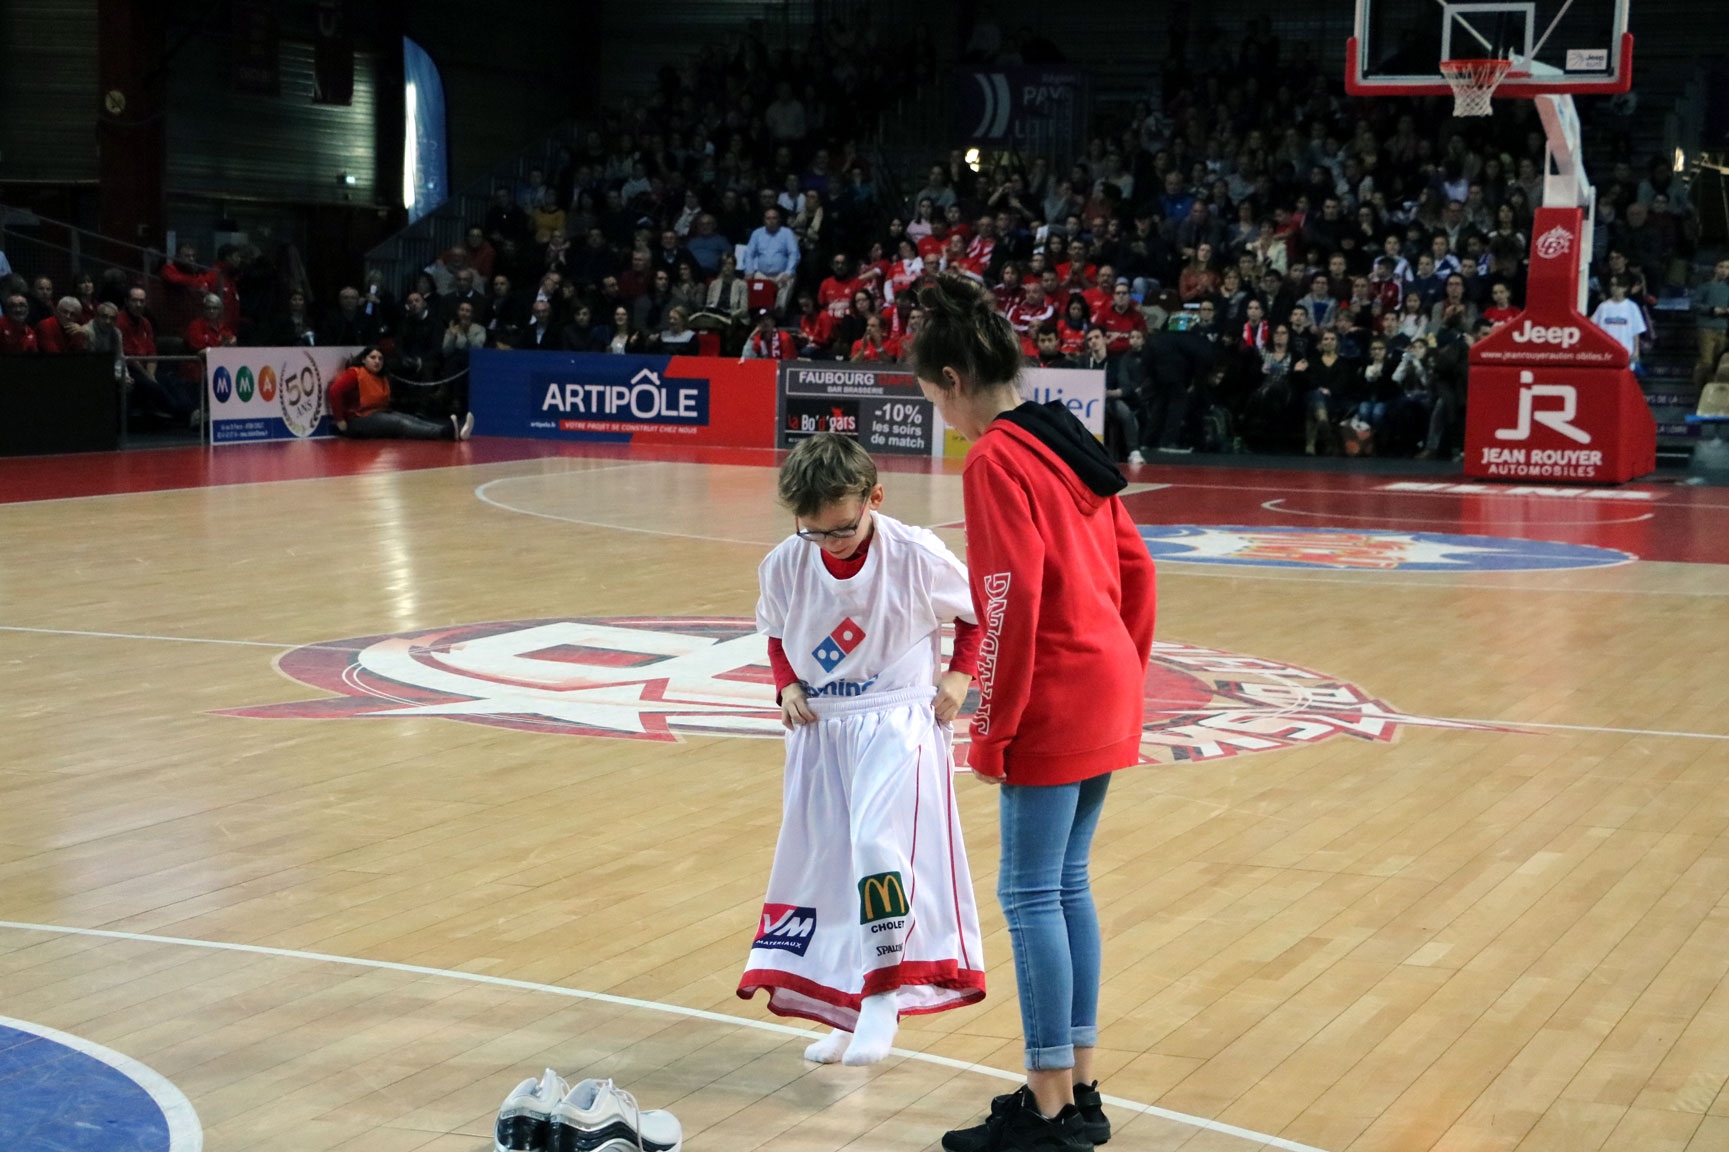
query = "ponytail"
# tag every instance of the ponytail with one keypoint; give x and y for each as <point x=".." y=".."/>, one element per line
<point x="964" y="331"/>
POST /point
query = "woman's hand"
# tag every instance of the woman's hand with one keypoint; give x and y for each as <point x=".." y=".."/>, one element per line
<point x="951" y="694"/>
<point x="794" y="708"/>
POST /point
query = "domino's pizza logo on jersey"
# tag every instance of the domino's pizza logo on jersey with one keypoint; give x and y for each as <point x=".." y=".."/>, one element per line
<point x="785" y="928"/>
<point x="838" y="645"/>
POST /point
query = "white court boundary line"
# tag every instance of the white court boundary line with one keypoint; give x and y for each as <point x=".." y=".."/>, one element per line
<point x="340" y="647"/>
<point x="367" y="475"/>
<point x="481" y="495"/>
<point x="185" y="1133"/>
<point x="632" y="1002"/>
<point x="1269" y="505"/>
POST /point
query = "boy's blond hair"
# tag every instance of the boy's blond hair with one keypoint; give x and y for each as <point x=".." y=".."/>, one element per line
<point x="825" y="469"/>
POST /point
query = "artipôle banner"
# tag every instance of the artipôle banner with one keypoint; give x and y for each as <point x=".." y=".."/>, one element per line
<point x="271" y="393"/>
<point x="597" y="398"/>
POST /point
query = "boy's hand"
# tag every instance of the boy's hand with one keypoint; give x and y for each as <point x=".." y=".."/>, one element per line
<point x="794" y="709"/>
<point x="951" y="694"/>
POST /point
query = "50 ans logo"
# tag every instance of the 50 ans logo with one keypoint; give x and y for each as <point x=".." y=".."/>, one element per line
<point x="301" y="392"/>
<point x="670" y="678"/>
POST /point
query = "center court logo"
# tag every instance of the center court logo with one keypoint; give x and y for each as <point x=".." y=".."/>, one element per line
<point x="1374" y="551"/>
<point x="668" y="678"/>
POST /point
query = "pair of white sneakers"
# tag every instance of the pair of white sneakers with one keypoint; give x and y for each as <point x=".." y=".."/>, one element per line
<point x="548" y="1115"/>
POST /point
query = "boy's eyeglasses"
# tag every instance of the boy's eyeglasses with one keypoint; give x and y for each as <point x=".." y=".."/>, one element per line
<point x="845" y="532"/>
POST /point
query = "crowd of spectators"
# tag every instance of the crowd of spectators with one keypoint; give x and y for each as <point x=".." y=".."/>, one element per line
<point x="1260" y="262"/>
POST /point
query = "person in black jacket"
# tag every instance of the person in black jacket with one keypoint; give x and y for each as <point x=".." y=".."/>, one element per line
<point x="582" y="334"/>
<point x="419" y="340"/>
<point x="1330" y="385"/>
<point x="541" y="334"/>
<point x="348" y="326"/>
<point x="1175" y="362"/>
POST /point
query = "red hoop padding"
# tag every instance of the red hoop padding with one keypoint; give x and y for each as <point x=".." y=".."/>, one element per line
<point x="1474" y="83"/>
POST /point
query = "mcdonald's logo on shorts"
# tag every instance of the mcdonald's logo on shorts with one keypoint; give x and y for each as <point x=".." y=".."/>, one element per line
<point x="880" y="897"/>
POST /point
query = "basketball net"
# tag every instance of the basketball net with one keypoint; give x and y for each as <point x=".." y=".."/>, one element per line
<point x="1474" y="83"/>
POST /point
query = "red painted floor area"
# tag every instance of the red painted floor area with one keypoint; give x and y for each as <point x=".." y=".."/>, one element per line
<point x="1652" y="521"/>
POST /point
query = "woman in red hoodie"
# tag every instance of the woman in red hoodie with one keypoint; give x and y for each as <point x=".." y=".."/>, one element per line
<point x="1064" y="589"/>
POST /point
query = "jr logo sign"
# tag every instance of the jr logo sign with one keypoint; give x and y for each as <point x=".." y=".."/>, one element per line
<point x="1558" y="417"/>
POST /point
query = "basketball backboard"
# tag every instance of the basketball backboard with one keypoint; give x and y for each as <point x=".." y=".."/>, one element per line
<point x="1556" y="46"/>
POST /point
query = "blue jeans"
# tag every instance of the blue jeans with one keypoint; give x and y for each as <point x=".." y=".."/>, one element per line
<point x="1047" y="835"/>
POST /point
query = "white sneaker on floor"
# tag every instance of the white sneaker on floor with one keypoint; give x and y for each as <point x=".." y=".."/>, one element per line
<point x="525" y="1120"/>
<point x="598" y="1117"/>
<point x="1135" y="457"/>
<point x="467" y="428"/>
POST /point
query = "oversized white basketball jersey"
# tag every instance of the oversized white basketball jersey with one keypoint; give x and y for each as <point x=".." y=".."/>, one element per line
<point x="875" y="632"/>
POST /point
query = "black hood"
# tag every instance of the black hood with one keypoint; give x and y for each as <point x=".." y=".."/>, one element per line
<point x="1057" y="429"/>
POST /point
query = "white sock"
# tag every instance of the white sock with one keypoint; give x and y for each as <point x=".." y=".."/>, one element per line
<point x="878" y="1019"/>
<point x="828" y="1050"/>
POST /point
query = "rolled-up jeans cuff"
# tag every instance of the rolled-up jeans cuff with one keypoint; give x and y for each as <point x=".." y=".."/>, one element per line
<point x="1052" y="1059"/>
<point x="1084" y="1037"/>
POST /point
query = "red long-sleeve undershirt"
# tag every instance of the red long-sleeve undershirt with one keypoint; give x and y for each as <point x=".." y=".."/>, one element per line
<point x="967" y="636"/>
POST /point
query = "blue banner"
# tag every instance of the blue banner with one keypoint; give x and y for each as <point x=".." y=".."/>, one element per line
<point x="622" y="399"/>
<point x="1027" y="107"/>
<point x="425" y="156"/>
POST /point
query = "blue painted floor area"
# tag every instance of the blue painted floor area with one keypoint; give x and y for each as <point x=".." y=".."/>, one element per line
<point x="57" y="1099"/>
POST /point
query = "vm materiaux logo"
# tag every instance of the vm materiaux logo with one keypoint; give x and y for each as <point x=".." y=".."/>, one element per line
<point x="785" y="928"/>
<point x="669" y="678"/>
<point x="1557" y="241"/>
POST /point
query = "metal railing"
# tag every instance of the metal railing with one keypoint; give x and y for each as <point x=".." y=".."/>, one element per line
<point x="74" y="249"/>
<point x="37" y="246"/>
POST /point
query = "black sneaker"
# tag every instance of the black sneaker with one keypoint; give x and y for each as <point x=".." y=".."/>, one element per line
<point x="978" y="1138"/>
<point x="1015" y="1125"/>
<point x="1092" y="1111"/>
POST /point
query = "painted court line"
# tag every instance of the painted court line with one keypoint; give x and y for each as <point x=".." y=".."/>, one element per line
<point x="1593" y="728"/>
<point x="140" y="636"/>
<point x="632" y="1002"/>
<point x="480" y="494"/>
<point x="185" y="1133"/>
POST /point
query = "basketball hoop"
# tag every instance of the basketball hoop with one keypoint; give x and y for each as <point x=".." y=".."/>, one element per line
<point x="1474" y="83"/>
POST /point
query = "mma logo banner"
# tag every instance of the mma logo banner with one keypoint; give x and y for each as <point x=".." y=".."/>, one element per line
<point x="785" y="928"/>
<point x="881" y="897"/>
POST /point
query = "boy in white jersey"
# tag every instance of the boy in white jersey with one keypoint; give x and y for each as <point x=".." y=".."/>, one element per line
<point x="1621" y="318"/>
<point x="870" y="911"/>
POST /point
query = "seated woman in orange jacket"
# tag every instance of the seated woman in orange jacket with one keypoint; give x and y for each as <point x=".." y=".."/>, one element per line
<point x="360" y="407"/>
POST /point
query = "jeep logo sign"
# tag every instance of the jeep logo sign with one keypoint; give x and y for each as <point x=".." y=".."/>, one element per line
<point x="1530" y="333"/>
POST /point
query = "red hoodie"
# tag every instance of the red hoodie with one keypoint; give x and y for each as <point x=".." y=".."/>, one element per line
<point x="1064" y="588"/>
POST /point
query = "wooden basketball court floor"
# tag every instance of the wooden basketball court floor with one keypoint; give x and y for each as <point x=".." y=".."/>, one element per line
<point x="1498" y="920"/>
